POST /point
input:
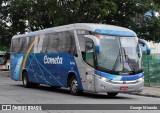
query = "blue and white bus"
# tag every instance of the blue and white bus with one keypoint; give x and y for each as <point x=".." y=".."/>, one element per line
<point x="84" y="57"/>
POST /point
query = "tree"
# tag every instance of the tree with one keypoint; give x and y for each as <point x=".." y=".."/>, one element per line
<point x="5" y="31"/>
<point x="150" y="27"/>
<point x="42" y="14"/>
<point x="85" y="11"/>
<point x="30" y="15"/>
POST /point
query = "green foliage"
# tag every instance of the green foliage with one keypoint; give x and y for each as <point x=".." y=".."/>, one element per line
<point x="5" y="31"/>
<point x="20" y="16"/>
<point x="4" y="48"/>
<point x="149" y="29"/>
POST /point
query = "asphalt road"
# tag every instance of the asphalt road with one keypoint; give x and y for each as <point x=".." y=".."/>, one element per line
<point x="13" y="92"/>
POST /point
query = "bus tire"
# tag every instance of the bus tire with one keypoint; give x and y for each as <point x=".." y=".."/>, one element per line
<point x="112" y="94"/>
<point x="25" y="81"/>
<point x="73" y="85"/>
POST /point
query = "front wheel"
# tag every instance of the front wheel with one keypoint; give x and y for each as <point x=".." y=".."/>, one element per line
<point x="112" y="94"/>
<point x="74" y="86"/>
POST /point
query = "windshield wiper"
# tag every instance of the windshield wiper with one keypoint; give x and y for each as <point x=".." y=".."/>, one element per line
<point x="129" y="61"/>
<point x="116" y="62"/>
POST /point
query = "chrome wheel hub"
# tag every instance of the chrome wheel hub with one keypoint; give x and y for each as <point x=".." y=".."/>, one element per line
<point x="74" y="85"/>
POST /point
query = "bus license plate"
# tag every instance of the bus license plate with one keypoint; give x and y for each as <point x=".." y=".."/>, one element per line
<point x="124" y="88"/>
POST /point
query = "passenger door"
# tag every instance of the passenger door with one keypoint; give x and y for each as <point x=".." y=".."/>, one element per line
<point x="88" y="68"/>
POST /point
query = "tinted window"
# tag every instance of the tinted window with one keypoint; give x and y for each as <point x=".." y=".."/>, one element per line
<point x="16" y="45"/>
<point x="61" y="42"/>
<point x="53" y="43"/>
<point x="44" y="45"/>
<point x="23" y="45"/>
<point x="20" y="45"/>
<point x="65" y="42"/>
<point x="89" y="54"/>
<point x="68" y="42"/>
<point x="82" y="41"/>
<point x="39" y="45"/>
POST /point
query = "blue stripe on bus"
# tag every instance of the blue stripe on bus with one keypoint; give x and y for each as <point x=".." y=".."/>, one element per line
<point x="115" y="32"/>
<point x="39" y="72"/>
<point x="120" y="77"/>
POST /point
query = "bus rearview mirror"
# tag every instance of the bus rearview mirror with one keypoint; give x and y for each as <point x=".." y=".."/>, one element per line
<point x="97" y="49"/>
<point x="145" y="45"/>
<point x="148" y="51"/>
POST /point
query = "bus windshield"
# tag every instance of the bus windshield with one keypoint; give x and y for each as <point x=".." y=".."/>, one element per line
<point x="119" y="54"/>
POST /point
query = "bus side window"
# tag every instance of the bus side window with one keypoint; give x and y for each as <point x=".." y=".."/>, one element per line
<point x="38" y="44"/>
<point x="65" y="42"/>
<point x="73" y="49"/>
<point x="53" y="43"/>
<point x="23" y="45"/>
<point x="89" y="54"/>
<point x="15" y="45"/>
<point x="82" y="41"/>
<point x="68" y="42"/>
<point x="44" y="44"/>
<point x="30" y="41"/>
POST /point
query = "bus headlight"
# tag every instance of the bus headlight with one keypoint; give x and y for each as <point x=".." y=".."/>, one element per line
<point x="140" y="79"/>
<point x="103" y="78"/>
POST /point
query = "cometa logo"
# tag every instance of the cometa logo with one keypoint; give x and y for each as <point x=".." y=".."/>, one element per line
<point x="49" y="60"/>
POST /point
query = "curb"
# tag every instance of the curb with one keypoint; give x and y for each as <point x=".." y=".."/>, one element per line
<point x="145" y="94"/>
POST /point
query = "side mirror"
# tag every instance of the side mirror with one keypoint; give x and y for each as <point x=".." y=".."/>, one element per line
<point x="145" y="44"/>
<point x="148" y="51"/>
<point x="97" y="49"/>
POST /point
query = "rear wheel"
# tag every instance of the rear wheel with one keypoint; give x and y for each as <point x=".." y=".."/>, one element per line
<point x="74" y="86"/>
<point x="25" y="81"/>
<point x="112" y="94"/>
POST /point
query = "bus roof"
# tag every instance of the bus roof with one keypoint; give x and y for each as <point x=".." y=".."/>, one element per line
<point x="97" y="28"/>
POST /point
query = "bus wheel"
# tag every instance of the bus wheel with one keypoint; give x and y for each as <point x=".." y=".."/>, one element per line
<point x="74" y="86"/>
<point x="112" y="94"/>
<point x="25" y="81"/>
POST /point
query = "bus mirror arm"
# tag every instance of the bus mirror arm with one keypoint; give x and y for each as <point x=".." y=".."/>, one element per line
<point x="148" y="51"/>
<point x="95" y="40"/>
<point x="145" y="43"/>
<point x="97" y="49"/>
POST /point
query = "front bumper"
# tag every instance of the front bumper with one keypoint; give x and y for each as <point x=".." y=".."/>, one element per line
<point x="111" y="86"/>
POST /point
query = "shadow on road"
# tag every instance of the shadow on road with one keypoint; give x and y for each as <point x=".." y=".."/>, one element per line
<point x="84" y="94"/>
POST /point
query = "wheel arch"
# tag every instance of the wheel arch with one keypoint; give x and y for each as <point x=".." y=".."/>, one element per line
<point x="24" y="70"/>
<point x="70" y="75"/>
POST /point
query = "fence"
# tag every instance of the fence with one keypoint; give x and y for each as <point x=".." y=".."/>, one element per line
<point x="152" y="69"/>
